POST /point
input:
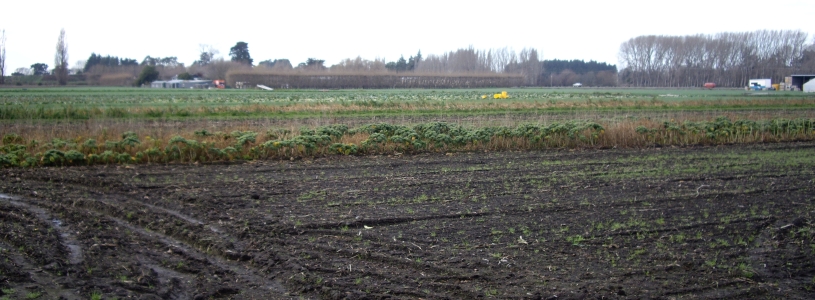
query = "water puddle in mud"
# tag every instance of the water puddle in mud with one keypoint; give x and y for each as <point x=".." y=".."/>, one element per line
<point x="68" y="240"/>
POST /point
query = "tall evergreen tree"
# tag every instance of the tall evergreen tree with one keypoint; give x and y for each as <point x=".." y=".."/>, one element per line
<point x="39" y="69"/>
<point x="401" y="64"/>
<point x="240" y="53"/>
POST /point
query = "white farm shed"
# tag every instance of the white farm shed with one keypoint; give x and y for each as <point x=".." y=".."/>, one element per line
<point x="809" y="87"/>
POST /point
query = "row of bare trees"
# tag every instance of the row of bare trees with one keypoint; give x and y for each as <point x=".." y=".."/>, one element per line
<point x="466" y="67"/>
<point x="473" y="61"/>
<point x="359" y="64"/>
<point x="527" y="63"/>
<point x="728" y="58"/>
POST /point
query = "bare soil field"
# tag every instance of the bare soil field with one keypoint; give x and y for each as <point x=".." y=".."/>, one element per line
<point x="685" y="223"/>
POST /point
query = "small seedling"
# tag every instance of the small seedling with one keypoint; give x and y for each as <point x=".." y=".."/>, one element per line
<point x="33" y="295"/>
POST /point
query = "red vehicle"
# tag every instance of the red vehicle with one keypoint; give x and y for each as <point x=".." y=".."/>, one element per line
<point x="710" y="85"/>
<point x="219" y="83"/>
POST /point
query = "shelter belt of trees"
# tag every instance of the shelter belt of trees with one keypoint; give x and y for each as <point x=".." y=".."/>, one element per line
<point x="728" y="59"/>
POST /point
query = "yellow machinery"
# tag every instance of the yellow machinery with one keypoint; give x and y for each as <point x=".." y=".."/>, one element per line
<point x="502" y="95"/>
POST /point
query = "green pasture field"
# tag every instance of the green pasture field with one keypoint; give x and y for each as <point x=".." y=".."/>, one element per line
<point x="63" y="126"/>
<point x="95" y="103"/>
<point x="126" y="97"/>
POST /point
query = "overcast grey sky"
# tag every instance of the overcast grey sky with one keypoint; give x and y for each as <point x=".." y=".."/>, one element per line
<point x="334" y="30"/>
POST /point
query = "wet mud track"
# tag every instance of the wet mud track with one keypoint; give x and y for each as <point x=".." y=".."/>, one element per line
<point x="701" y="222"/>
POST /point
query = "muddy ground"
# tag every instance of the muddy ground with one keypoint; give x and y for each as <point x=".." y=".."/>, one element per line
<point x="702" y="222"/>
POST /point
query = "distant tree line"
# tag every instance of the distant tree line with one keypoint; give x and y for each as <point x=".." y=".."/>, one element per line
<point x="112" y="70"/>
<point x="370" y="80"/>
<point x="402" y="65"/>
<point x="502" y="67"/>
<point x="727" y="59"/>
<point x="312" y="64"/>
<point x="360" y="65"/>
<point x="555" y="66"/>
<point x="527" y="63"/>
<point x="107" y="61"/>
<point x="465" y="67"/>
<point x="170" y="61"/>
<point x="568" y="72"/>
<point x="277" y="64"/>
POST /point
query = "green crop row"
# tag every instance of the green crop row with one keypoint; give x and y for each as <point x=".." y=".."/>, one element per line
<point x="204" y="146"/>
<point x="326" y="140"/>
<point x="723" y="130"/>
<point x="139" y="97"/>
<point x="82" y="104"/>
